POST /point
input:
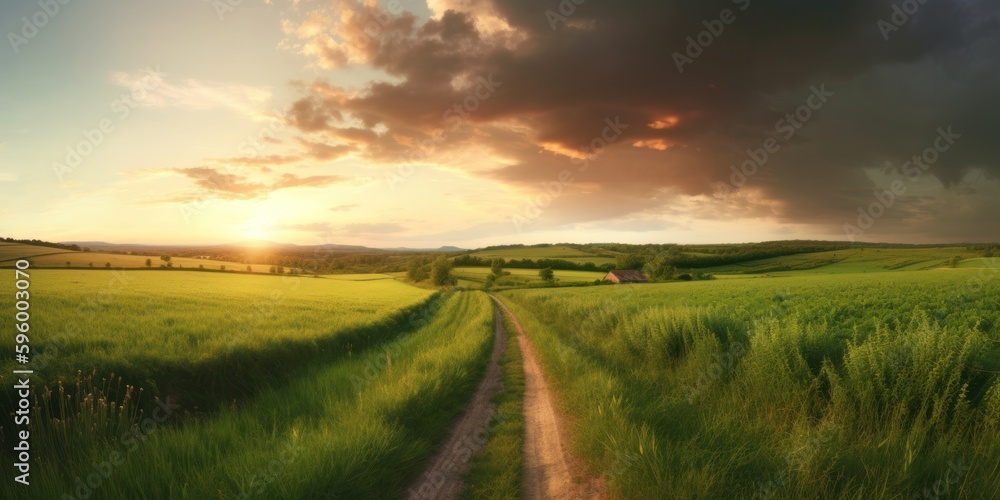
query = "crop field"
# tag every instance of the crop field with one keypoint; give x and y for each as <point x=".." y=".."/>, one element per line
<point x="196" y="335"/>
<point x="853" y="261"/>
<point x="55" y="257"/>
<point x="357" y="428"/>
<point x="810" y="386"/>
<point x="548" y="252"/>
<point x="522" y="277"/>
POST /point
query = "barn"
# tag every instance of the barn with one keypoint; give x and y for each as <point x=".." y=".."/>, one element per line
<point x="626" y="276"/>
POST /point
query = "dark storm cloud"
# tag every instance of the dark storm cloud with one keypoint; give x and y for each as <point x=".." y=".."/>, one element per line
<point x="564" y="73"/>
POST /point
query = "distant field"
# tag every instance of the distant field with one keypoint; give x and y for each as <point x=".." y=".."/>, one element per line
<point x="552" y="252"/>
<point x="852" y="261"/>
<point x="166" y="330"/>
<point x="477" y="275"/>
<point x="801" y="386"/>
<point x="361" y="277"/>
<point x="54" y="257"/>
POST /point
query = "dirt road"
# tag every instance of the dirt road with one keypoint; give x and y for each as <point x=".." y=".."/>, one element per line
<point x="443" y="478"/>
<point x="550" y="471"/>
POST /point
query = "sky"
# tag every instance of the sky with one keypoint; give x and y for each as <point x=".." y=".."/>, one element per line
<point x="481" y="122"/>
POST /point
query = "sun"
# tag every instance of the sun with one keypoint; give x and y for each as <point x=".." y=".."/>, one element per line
<point x="258" y="228"/>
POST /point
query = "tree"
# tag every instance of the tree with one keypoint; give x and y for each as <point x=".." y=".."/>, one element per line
<point x="67" y="263"/>
<point x="417" y="271"/>
<point x="491" y="280"/>
<point x="273" y="270"/>
<point x="547" y="275"/>
<point x="91" y="264"/>
<point x="441" y="272"/>
<point x="165" y="258"/>
<point x="107" y="265"/>
<point x="281" y="269"/>
<point x="222" y="267"/>
<point x="660" y="268"/>
<point x="149" y="262"/>
<point x="629" y="261"/>
<point x="249" y="269"/>
<point x="954" y="261"/>
<point x="170" y="264"/>
<point x="201" y="266"/>
<point x="497" y="267"/>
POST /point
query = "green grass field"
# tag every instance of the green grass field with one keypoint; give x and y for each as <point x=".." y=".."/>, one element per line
<point x="476" y="276"/>
<point x="852" y="261"/>
<point x="548" y="252"/>
<point x="42" y="257"/>
<point x="813" y="386"/>
<point x="203" y="338"/>
<point x="358" y="428"/>
<point x="872" y="376"/>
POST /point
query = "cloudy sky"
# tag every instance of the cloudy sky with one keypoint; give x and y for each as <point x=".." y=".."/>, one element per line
<point x="474" y="122"/>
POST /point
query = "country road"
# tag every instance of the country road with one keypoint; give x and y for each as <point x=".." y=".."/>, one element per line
<point x="442" y="480"/>
<point x="550" y="471"/>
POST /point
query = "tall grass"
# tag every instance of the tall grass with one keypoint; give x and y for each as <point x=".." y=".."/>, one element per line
<point x="823" y="393"/>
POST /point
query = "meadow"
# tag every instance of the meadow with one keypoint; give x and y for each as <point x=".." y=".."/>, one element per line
<point x="199" y="336"/>
<point x="55" y="257"/>
<point x="872" y="375"/>
<point x="879" y="385"/>
<point x="548" y="252"/>
<point x="358" y="428"/>
<point x="475" y="277"/>
<point x="853" y="261"/>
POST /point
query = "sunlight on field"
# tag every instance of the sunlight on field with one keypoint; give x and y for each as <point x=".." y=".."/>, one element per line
<point x="134" y="322"/>
<point x="42" y="257"/>
<point x="477" y="275"/>
<point x="549" y="252"/>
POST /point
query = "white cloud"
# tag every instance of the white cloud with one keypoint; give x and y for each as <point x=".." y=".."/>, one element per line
<point x="151" y="89"/>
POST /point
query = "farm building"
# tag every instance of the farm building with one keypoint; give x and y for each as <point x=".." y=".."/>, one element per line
<point x="626" y="276"/>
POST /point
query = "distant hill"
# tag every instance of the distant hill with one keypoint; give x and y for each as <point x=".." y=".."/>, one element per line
<point x="248" y="245"/>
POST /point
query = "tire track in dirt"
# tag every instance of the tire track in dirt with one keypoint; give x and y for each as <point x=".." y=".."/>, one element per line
<point x="550" y="470"/>
<point x="442" y="479"/>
